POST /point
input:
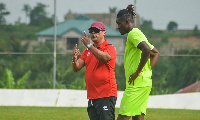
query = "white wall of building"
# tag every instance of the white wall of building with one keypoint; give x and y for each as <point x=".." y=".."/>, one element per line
<point x="78" y="98"/>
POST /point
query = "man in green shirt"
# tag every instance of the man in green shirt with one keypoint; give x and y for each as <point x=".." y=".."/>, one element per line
<point x="139" y="59"/>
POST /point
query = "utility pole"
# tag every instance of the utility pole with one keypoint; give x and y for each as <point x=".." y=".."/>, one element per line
<point x="54" y="54"/>
<point x="135" y="12"/>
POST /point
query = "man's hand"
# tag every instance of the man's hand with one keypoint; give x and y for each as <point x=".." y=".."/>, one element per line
<point x="85" y="39"/>
<point x="75" y="53"/>
<point x="133" y="77"/>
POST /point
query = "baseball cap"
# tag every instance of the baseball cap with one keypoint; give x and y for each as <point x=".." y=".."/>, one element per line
<point x="98" y="25"/>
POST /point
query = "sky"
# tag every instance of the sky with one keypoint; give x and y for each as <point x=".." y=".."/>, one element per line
<point x="184" y="12"/>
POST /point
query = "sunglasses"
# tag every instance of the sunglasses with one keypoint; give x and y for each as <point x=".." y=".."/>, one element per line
<point x="95" y="30"/>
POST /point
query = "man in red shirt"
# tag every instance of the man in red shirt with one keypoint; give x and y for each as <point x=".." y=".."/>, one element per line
<point x="99" y="59"/>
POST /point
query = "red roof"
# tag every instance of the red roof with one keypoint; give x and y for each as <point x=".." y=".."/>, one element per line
<point x="195" y="87"/>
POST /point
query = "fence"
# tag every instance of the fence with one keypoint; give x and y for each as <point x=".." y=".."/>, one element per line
<point x="77" y="98"/>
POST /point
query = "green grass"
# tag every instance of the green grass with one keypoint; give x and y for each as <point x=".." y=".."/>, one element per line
<point x="75" y="113"/>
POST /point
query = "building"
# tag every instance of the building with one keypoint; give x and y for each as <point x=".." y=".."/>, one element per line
<point x="195" y="87"/>
<point x="70" y="33"/>
<point x="107" y="18"/>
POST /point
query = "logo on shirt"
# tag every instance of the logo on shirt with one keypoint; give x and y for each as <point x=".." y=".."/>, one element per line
<point x="105" y="108"/>
<point x="88" y="53"/>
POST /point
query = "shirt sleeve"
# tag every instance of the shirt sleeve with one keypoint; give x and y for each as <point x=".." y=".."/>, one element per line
<point x="150" y="45"/>
<point x="110" y="49"/>
<point x="137" y="38"/>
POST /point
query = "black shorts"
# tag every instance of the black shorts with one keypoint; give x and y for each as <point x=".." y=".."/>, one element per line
<point x="102" y="108"/>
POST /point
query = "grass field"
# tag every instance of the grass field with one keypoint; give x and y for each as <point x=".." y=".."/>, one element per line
<point x="74" y="113"/>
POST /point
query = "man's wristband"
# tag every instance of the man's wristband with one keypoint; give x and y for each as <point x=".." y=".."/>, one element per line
<point x="89" y="45"/>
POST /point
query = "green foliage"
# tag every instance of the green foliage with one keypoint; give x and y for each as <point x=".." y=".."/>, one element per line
<point x="65" y="73"/>
<point x="174" y="73"/>
<point x="120" y="77"/>
<point x="78" y="84"/>
<point x="147" y="25"/>
<point x="9" y="80"/>
<point x="1" y="84"/>
<point x="38" y="16"/>
<point x="196" y="31"/>
<point x="172" y="26"/>
<point x="27" y="10"/>
<point x="3" y="13"/>
<point x="159" y="78"/>
<point x="169" y="75"/>
<point x="113" y="9"/>
<point x="58" y="85"/>
<point x="12" y="36"/>
<point x="23" y="81"/>
<point x="164" y="40"/>
<point x="147" y="28"/>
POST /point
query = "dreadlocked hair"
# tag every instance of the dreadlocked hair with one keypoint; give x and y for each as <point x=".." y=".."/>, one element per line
<point x="127" y="13"/>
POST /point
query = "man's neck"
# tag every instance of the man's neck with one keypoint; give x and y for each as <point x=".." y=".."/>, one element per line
<point x="131" y="26"/>
<point x="97" y="44"/>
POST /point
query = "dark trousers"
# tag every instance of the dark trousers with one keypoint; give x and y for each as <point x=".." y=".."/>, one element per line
<point x="102" y="108"/>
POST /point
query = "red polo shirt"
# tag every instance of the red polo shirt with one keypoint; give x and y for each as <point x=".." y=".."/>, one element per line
<point x="100" y="77"/>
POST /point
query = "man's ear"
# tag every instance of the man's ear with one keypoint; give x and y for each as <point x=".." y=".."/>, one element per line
<point x="104" y="33"/>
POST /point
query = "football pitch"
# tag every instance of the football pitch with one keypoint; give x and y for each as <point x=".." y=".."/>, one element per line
<point x="80" y="113"/>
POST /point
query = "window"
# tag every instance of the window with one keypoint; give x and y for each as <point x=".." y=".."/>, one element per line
<point x="71" y="43"/>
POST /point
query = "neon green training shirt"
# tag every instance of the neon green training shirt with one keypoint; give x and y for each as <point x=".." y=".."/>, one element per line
<point x="132" y="59"/>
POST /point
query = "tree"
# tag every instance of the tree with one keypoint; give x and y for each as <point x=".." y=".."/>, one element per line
<point x="113" y="10"/>
<point x="27" y="10"/>
<point x="196" y="31"/>
<point x="172" y="26"/>
<point x="38" y="16"/>
<point x="3" y="13"/>
<point x="174" y="73"/>
<point x="146" y="25"/>
<point x="147" y="28"/>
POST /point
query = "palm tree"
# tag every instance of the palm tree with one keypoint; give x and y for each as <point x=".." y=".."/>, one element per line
<point x="113" y="9"/>
<point x="27" y="10"/>
<point x="3" y="12"/>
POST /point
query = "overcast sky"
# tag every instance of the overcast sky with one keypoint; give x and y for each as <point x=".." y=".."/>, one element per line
<point x="185" y="12"/>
